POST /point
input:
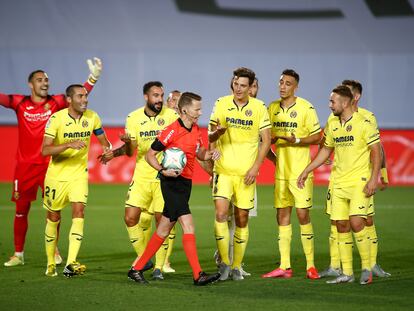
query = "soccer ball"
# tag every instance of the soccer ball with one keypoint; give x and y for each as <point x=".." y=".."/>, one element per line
<point x="174" y="158"/>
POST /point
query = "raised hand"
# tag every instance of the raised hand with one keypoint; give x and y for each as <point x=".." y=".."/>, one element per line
<point x="95" y="67"/>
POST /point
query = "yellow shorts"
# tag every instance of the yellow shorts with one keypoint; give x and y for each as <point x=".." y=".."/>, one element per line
<point x="349" y="201"/>
<point x="59" y="193"/>
<point x="328" y="207"/>
<point x="145" y="195"/>
<point x="287" y="193"/>
<point x="233" y="188"/>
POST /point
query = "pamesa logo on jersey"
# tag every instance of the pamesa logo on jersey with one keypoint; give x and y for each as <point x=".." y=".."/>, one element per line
<point x="151" y="133"/>
<point x="237" y="121"/>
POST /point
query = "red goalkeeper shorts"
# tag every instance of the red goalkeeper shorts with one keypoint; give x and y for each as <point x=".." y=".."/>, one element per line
<point x="28" y="177"/>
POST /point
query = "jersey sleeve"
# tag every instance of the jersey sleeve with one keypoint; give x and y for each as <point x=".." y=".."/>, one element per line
<point x="10" y="101"/>
<point x="52" y="126"/>
<point x="215" y="114"/>
<point x="97" y="126"/>
<point x="264" y="122"/>
<point x="312" y="122"/>
<point x="329" y="142"/>
<point x="371" y="134"/>
<point x="131" y="127"/>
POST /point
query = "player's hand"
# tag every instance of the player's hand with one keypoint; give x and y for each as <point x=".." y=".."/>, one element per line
<point x="126" y="138"/>
<point x="382" y="185"/>
<point x="213" y="155"/>
<point x="106" y="157"/>
<point x="95" y="67"/>
<point x="220" y="130"/>
<point x="302" y="179"/>
<point x="291" y="139"/>
<point x="251" y="175"/>
<point x="77" y="144"/>
<point x="370" y="188"/>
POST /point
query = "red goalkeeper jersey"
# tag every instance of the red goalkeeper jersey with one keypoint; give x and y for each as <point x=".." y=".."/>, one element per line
<point x="31" y="120"/>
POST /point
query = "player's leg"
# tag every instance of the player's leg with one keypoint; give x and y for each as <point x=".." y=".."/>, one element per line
<point x="303" y="202"/>
<point x="222" y="193"/>
<point x="55" y="198"/>
<point x="78" y="193"/>
<point x="136" y="237"/>
<point x="283" y="202"/>
<point x="334" y="268"/>
<point x="359" y="204"/>
<point x="161" y="253"/>
<point x="27" y="179"/>
<point x="241" y="237"/>
<point x="340" y="214"/>
<point x="373" y="240"/>
<point x="167" y="264"/>
<point x="231" y="223"/>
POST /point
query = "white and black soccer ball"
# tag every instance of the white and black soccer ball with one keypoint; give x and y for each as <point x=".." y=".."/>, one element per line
<point x="174" y="158"/>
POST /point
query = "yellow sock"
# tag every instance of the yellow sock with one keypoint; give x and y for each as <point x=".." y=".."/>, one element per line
<point x="50" y="240"/>
<point x="145" y="222"/>
<point x="241" y="237"/>
<point x="160" y="255"/>
<point x="285" y="237"/>
<point x="363" y="245"/>
<point x="171" y="240"/>
<point x="136" y="237"/>
<point x="334" y="248"/>
<point x="345" y="244"/>
<point x="373" y="244"/>
<point x="222" y="240"/>
<point x="75" y="239"/>
<point x="306" y="235"/>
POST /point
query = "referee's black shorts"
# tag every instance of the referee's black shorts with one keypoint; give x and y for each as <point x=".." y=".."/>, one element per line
<point x="176" y="192"/>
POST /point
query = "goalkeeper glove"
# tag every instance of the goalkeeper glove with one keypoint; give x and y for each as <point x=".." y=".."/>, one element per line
<point x="95" y="68"/>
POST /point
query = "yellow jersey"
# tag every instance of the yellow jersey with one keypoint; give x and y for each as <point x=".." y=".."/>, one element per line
<point x="299" y="119"/>
<point x="239" y="144"/>
<point x="351" y="142"/>
<point x="71" y="164"/>
<point x="144" y="129"/>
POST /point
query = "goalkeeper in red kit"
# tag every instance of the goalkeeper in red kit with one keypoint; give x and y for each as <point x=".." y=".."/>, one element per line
<point x="33" y="112"/>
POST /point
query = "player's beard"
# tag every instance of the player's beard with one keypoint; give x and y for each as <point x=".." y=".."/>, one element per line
<point x="153" y="108"/>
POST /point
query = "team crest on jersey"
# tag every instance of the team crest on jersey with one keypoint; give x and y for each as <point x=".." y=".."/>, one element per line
<point x="161" y="122"/>
<point x="85" y="123"/>
<point x="46" y="107"/>
<point x="16" y="195"/>
<point x="349" y="128"/>
<point x="293" y="114"/>
<point x="248" y="113"/>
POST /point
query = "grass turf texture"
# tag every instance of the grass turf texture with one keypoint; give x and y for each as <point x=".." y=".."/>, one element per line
<point x="107" y="253"/>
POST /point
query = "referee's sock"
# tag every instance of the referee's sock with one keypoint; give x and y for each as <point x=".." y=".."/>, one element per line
<point x="153" y="245"/>
<point x="190" y="249"/>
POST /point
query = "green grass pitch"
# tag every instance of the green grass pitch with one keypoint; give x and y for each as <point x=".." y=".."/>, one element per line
<point x="107" y="254"/>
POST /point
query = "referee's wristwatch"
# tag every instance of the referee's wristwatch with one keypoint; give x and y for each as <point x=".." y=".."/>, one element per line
<point x="160" y="173"/>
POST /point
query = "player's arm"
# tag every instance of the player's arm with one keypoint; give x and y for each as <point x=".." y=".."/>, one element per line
<point x="127" y="148"/>
<point x="271" y="155"/>
<point x="5" y="100"/>
<point x="384" y="173"/>
<point x="151" y="158"/>
<point x="103" y="140"/>
<point x="50" y="149"/>
<point x="320" y="159"/>
<point x="313" y="139"/>
<point x="207" y="166"/>
<point x="375" y="156"/>
<point x="264" y="147"/>
<point x="216" y="130"/>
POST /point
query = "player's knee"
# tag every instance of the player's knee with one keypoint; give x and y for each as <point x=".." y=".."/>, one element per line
<point x="130" y="221"/>
<point x="22" y="208"/>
